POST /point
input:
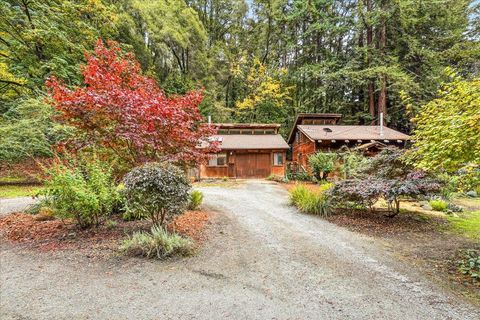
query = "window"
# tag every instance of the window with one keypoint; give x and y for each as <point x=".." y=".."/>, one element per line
<point x="278" y="159"/>
<point x="219" y="159"/>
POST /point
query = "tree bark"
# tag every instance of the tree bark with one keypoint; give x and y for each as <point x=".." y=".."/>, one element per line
<point x="371" y="86"/>
<point x="382" y="98"/>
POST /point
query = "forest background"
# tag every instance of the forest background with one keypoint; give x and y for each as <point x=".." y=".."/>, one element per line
<point x="256" y="60"/>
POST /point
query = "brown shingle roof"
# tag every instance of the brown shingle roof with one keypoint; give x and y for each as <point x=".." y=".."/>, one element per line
<point x="251" y="141"/>
<point x="339" y="132"/>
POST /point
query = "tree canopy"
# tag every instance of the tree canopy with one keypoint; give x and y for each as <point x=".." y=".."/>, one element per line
<point x="447" y="134"/>
<point x="259" y="60"/>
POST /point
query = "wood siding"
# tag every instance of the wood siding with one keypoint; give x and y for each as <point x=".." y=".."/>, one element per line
<point x="302" y="148"/>
<point x="246" y="164"/>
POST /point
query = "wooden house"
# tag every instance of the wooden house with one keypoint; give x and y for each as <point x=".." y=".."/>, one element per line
<point x="246" y="151"/>
<point x="321" y="132"/>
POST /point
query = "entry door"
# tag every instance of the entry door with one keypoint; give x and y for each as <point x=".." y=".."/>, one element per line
<point x="253" y="165"/>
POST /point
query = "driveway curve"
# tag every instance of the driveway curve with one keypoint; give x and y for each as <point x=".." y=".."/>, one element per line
<point x="266" y="261"/>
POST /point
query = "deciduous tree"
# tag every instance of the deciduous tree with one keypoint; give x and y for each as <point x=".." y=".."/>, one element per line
<point x="126" y="112"/>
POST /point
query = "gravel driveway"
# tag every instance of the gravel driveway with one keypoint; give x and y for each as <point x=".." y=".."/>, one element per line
<point x="19" y="204"/>
<point x="264" y="261"/>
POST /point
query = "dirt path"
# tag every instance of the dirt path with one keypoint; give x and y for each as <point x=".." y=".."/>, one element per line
<point x="265" y="261"/>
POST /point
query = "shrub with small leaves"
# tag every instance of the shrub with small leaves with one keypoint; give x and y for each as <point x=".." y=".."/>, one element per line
<point x="196" y="198"/>
<point x="156" y="191"/>
<point x="81" y="189"/>
<point x="158" y="244"/>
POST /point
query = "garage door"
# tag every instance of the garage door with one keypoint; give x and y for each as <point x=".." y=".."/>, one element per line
<point x="253" y="165"/>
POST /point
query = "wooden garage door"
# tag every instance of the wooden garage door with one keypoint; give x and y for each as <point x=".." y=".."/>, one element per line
<point x="253" y="165"/>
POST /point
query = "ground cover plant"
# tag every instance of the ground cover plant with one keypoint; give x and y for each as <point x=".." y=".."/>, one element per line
<point x="470" y="264"/>
<point x="466" y="224"/>
<point x="158" y="243"/>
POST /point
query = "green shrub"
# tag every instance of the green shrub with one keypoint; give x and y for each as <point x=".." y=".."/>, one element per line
<point x="470" y="264"/>
<point x="322" y="164"/>
<point x="196" y="198"/>
<point x="308" y="201"/>
<point x="82" y="190"/>
<point x="157" y="244"/>
<point x="438" y="204"/>
<point x="156" y="191"/>
<point x="302" y="176"/>
<point x="351" y="163"/>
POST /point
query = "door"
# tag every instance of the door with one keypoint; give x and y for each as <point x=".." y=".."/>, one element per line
<point x="253" y="165"/>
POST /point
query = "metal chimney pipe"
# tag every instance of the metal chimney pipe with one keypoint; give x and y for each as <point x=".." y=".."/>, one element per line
<point x="209" y="120"/>
<point x="381" y="124"/>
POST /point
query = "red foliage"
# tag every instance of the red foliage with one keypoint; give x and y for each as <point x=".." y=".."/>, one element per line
<point x="124" y="111"/>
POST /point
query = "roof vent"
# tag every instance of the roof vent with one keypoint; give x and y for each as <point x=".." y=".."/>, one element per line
<point x="327" y="130"/>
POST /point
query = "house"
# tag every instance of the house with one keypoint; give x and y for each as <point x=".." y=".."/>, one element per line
<point x="246" y="151"/>
<point x="313" y="132"/>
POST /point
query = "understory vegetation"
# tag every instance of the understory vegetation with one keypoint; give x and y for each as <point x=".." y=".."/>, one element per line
<point x="470" y="264"/>
<point x="81" y="189"/>
<point x="158" y="243"/>
<point x="309" y="201"/>
<point x="156" y="191"/>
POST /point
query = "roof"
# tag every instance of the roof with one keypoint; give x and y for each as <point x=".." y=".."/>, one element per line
<point x="250" y="141"/>
<point x="341" y="132"/>
<point x="333" y="116"/>
<point x="246" y="125"/>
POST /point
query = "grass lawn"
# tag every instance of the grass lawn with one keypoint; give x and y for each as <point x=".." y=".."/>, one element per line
<point x="12" y="191"/>
<point x="466" y="224"/>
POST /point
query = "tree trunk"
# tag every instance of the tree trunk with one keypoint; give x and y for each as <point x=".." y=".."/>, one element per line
<point x="371" y="86"/>
<point x="382" y="41"/>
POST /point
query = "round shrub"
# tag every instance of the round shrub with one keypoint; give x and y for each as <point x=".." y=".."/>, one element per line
<point x="156" y="191"/>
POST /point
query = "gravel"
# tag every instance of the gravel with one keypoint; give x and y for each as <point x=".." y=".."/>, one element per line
<point x="19" y="204"/>
<point x="264" y="261"/>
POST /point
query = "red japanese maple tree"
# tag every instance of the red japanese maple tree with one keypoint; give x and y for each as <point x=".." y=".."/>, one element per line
<point x="124" y="111"/>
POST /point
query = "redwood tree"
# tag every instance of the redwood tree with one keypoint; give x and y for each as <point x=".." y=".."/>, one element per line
<point x="123" y="111"/>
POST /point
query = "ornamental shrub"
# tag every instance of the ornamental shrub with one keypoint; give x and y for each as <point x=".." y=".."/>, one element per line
<point x="322" y="164"/>
<point x="388" y="164"/>
<point x="438" y="204"/>
<point x="351" y="163"/>
<point x="156" y="191"/>
<point x="308" y="201"/>
<point x="357" y="192"/>
<point x="82" y="190"/>
<point x="195" y="199"/>
<point x="157" y="244"/>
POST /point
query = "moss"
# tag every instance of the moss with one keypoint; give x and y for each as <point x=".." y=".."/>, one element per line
<point x="466" y="224"/>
